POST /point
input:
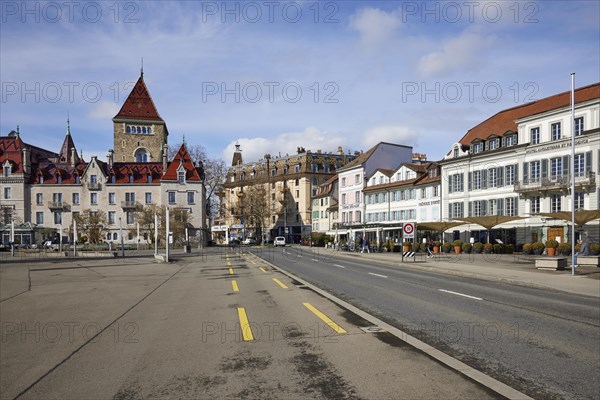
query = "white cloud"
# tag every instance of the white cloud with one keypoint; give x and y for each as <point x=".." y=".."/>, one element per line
<point x="389" y="133"/>
<point x="374" y="25"/>
<point x="104" y="110"/>
<point x="456" y="54"/>
<point x="311" y="138"/>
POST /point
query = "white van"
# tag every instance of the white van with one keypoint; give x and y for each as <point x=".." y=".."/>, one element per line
<point x="279" y="241"/>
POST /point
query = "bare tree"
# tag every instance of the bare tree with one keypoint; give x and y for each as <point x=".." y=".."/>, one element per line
<point x="179" y="221"/>
<point x="215" y="172"/>
<point x="93" y="224"/>
<point x="252" y="208"/>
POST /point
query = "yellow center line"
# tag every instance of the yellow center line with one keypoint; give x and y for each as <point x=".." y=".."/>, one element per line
<point x="228" y="263"/>
<point x="245" y="325"/>
<point x="262" y="269"/>
<point x="325" y="318"/>
<point x="253" y="262"/>
<point x="277" y="281"/>
<point x="234" y="285"/>
<point x="230" y="271"/>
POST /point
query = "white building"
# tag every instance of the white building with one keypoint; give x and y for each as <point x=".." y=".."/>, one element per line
<point x="517" y="163"/>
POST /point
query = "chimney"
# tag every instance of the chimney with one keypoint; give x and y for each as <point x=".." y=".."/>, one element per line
<point x="340" y="150"/>
<point x="423" y="157"/>
<point x="164" y="157"/>
<point x="73" y="156"/>
<point x="415" y="157"/>
<point x="26" y="160"/>
<point x="110" y="156"/>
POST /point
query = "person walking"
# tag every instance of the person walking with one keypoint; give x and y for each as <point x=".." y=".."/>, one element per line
<point x="366" y="245"/>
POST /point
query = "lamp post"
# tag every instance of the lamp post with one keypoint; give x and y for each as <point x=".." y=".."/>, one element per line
<point x="573" y="259"/>
<point x="121" y="234"/>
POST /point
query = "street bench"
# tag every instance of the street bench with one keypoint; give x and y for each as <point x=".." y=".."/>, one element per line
<point x="588" y="260"/>
<point x="551" y="263"/>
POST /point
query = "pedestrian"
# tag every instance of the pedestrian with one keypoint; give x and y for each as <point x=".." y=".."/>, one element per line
<point x="430" y="248"/>
<point x="584" y="249"/>
<point x="366" y="245"/>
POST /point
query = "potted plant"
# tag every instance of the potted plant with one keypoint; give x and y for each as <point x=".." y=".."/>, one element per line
<point x="406" y="246"/>
<point x="487" y="248"/>
<point x="577" y="247"/>
<point x="457" y="246"/>
<point x="423" y="247"/>
<point x="498" y="248"/>
<point x="565" y="249"/>
<point x="538" y="248"/>
<point x="477" y="247"/>
<point x="594" y="249"/>
<point x="446" y="247"/>
<point x="509" y="248"/>
<point x="466" y="248"/>
<point x="551" y="246"/>
<point x="527" y="249"/>
<point x="436" y="246"/>
<point x="415" y="247"/>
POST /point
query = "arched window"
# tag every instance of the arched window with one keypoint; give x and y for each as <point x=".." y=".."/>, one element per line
<point x="127" y="130"/>
<point x="115" y="236"/>
<point x="108" y="236"/>
<point x="113" y="179"/>
<point x="77" y="180"/>
<point x="149" y="131"/>
<point x="141" y="155"/>
<point x="144" y="130"/>
<point x="59" y="179"/>
<point x="131" y="178"/>
<point x="139" y="130"/>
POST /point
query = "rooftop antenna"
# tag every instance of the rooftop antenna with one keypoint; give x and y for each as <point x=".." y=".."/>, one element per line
<point x="184" y="140"/>
<point x="68" y="124"/>
<point x="142" y="69"/>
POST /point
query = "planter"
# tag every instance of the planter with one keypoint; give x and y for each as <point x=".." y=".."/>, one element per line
<point x="457" y="249"/>
<point x="487" y="251"/>
<point x="526" y="252"/>
<point x="594" y="252"/>
<point x="405" y="248"/>
<point x="538" y="252"/>
<point x="566" y="252"/>
<point x="551" y="251"/>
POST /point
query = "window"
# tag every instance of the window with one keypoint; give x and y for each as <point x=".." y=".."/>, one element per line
<point x="343" y="182"/>
<point x="113" y="179"/>
<point x="535" y="205"/>
<point x="75" y="198"/>
<point x="343" y="198"/>
<point x="510" y="174"/>
<point x="511" y="206"/>
<point x="555" y="203"/>
<point x="556" y="167"/>
<point x="93" y="179"/>
<point x="314" y="167"/>
<point x="171" y="196"/>
<point x="190" y="197"/>
<point x="77" y="180"/>
<point x="357" y="197"/>
<point x="111" y="198"/>
<point x="148" y="198"/>
<point x="579" y="165"/>
<point x="456" y="210"/>
<point x="181" y="177"/>
<point x="492" y="175"/>
<point x="455" y="152"/>
<point x="296" y="168"/>
<point x="111" y="217"/>
<point x="273" y="172"/>
<point x="130" y="219"/>
<point x="436" y="191"/>
<point x="579" y="200"/>
<point x="40" y="179"/>
<point x="59" y="179"/>
<point x="39" y="217"/>
<point x="476" y="180"/>
<point x="534" y="174"/>
<point x="423" y="193"/>
<point x="7" y="193"/>
<point x="39" y="199"/>
<point x="57" y="198"/>
<point x="477" y="147"/>
<point x="357" y="179"/>
<point x="297" y="193"/>
<point x="555" y="131"/>
<point x="455" y="183"/>
<point x="510" y="140"/>
<point x="148" y="178"/>
<point x="7" y="168"/>
<point x="535" y="135"/>
<point x="93" y="198"/>
<point x="130" y="178"/>
<point x="578" y="126"/>
<point x="57" y="218"/>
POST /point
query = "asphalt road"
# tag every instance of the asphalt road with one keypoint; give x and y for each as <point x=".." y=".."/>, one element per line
<point x="543" y="343"/>
<point x="203" y="327"/>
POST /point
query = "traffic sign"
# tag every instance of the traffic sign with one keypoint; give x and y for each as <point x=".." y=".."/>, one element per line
<point x="409" y="230"/>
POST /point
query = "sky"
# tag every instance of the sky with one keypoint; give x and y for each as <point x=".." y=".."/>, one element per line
<point x="277" y="75"/>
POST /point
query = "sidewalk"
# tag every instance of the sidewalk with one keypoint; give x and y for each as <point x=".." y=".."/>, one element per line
<point x="506" y="268"/>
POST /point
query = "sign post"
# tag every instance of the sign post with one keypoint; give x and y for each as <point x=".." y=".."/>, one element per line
<point x="408" y="232"/>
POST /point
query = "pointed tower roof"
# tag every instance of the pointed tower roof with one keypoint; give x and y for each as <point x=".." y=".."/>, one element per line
<point x="237" y="156"/>
<point x="139" y="104"/>
<point x="183" y="159"/>
<point x="65" y="151"/>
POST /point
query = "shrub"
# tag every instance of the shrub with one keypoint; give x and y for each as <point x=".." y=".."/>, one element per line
<point x="498" y="248"/>
<point x="446" y="247"/>
<point x="595" y="247"/>
<point x="437" y="243"/>
<point x="423" y="247"/>
<point x="415" y="247"/>
<point x="488" y="246"/>
<point x="578" y="247"/>
<point x="537" y="246"/>
<point x="478" y="245"/>
<point x="509" y="248"/>
<point x="457" y="243"/>
<point x="527" y="247"/>
<point x="565" y="246"/>
<point x="466" y="247"/>
<point x="409" y="244"/>
<point x="551" y="244"/>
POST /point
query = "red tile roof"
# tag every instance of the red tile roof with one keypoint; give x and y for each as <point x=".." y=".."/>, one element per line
<point x="139" y="104"/>
<point x="504" y="121"/>
<point x="139" y="172"/>
<point x="193" y="174"/>
<point x="11" y="149"/>
<point x="51" y="172"/>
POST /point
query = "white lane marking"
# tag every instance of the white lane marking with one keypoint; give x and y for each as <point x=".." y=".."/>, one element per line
<point x="339" y="266"/>
<point x="381" y="276"/>
<point x="315" y="260"/>
<point x="460" y="294"/>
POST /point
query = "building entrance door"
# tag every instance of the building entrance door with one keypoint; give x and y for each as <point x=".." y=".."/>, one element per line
<point x="554" y="232"/>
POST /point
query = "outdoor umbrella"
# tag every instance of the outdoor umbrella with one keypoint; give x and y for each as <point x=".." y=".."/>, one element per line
<point x="489" y="221"/>
<point x="582" y="217"/>
<point x="439" y="226"/>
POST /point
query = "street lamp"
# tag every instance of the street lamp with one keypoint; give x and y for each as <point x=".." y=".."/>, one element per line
<point x="121" y="234"/>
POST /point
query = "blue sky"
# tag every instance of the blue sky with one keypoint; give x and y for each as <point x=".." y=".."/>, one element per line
<point x="277" y="75"/>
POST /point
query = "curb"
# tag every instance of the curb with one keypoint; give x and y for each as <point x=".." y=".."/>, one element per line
<point x="451" y="362"/>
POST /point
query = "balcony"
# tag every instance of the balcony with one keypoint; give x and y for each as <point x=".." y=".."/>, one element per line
<point x="94" y="186"/>
<point x="130" y="205"/>
<point x="57" y="205"/>
<point x="583" y="181"/>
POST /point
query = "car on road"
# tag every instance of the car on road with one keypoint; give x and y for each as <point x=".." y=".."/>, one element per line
<point x="249" y="241"/>
<point x="279" y="241"/>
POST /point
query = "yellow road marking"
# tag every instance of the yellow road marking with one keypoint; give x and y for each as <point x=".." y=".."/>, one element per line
<point x="235" y="286"/>
<point x="253" y="262"/>
<point x="262" y="269"/>
<point x="245" y="325"/>
<point x="277" y="281"/>
<point x="325" y="318"/>
<point x="230" y="271"/>
<point x="228" y="263"/>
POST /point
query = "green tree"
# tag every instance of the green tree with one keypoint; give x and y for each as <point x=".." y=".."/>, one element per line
<point x="92" y="224"/>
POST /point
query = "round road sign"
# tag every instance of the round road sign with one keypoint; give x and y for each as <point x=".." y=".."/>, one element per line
<point x="408" y="229"/>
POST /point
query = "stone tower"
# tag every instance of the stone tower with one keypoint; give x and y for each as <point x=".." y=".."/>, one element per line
<point x="139" y="132"/>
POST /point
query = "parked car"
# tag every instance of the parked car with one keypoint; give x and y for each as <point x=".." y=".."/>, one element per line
<point x="279" y="241"/>
<point x="249" y="241"/>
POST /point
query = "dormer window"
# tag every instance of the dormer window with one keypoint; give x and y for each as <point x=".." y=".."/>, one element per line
<point x="77" y="180"/>
<point x="40" y="179"/>
<point x="113" y="179"/>
<point x="131" y="178"/>
<point x="510" y="140"/>
<point x="492" y="144"/>
<point x="59" y="179"/>
<point x="455" y="152"/>
<point x="181" y="177"/>
<point x="148" y="178"/>
<point x="477" y="147"/>
<point x="7" y="169"/>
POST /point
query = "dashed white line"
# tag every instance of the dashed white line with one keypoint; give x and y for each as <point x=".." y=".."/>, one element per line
<point x="339" y="266"/>
<point x="460" y="294"/>
<point x="381" y="276"/>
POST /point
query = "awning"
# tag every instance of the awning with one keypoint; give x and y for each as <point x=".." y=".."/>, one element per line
<point x="582" y="217"/>
<point x="490" y="221"/>
<point x="439" y="226"/>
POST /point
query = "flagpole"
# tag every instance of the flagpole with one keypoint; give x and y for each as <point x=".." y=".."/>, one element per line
<point x="573" y="258"/>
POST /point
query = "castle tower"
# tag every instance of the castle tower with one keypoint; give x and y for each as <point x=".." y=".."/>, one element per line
<point x="139" y="132"/>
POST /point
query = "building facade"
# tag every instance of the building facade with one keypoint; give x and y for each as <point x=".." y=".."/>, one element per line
<point x="46" y="191"/>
